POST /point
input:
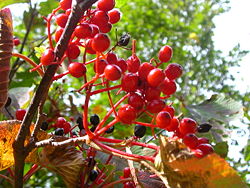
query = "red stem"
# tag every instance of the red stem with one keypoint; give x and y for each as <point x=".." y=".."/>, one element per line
<point x="106" y="127"/>
<point x="145" y="124"/>
<point x="60" y="75"/>
<point x="11" y="172"/>
<point x="110" y="100"/>
<point x="104" y="89"/>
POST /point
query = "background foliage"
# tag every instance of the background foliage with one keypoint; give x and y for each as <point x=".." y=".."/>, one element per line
<point x="187" y="26"/>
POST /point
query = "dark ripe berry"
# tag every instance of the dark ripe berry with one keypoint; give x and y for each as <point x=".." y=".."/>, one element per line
<point x="59" y="132"/>
<point x="126" y="172"/>
<point x="133" y="63"/>
<point x="61" y="19"/>
<point x="129" y="184"/>
<point x="122" y="64"/>
<point x="136" y="101"/>
<point x="168" y="87"/>
<point x="190" y="140"/>
<point x="165" y="54"/>
<point x="140" y="131"/>
<point x="112" y="72"/>
<point x="74" y="133"/>
<point x="130" y="82"/>
<point x="101" y="42"/>
<point x="174" y="124"/>
<point x="100" y="18"/>
<point x="79" y="123"/>
<point x="89" y="48"/>
<point x="112" y="58"/>
<point x="204" y="127"/>
<point x="127" y="114"/>
<point x="73" y="51"/>
<point x="155" y="106"/>
<point x="106" y="5"/>
<point x="205" y="148"/>
<point x="44" y="125"/>
<point x="20" y="113"/>
<point x="124" y="40"/>
<point x="65" y="4"/>
<point x="100" y="65"/>
<point x="144" y="70"/>
<point x="203" y="140"/>
<point x="163" y="119"/>
<point x="94" y="119"/>
<point x="16" y="41"/>
<point x="173" y="71"/>
<point x="83" y="31"/>
<point x="92" y="129"/>
<point x="77" y="69"/>
<point x="58" y="33"/>
<point x="95" y="30"/>
<point x="155" y="77"/>
<point x="105" y="28"/>
<point x="114" y="16"/>
<point x="170" y="110"/>
<point x="110" y="130"/>
<point x="187" y="125"/>
<point x="93" y="175"/>
<point x="48" y="57"/>
<point x="152" y="93"/>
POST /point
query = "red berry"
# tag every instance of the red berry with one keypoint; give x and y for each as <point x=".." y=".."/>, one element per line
<point x="152" y="93"/>
<point x="155" y="106"/>
<point x="114" y="16"/>
<point x="111" y="58"/>
<point x="129" y="184"/>
<point x="133" y="63"/>
<point x="77" y="69"/>
<point x="173" y="71"/>
<point x="155" y="77"/>
<point x="66" y="127"/>
<point x="60" y="122"/>
<point x="198" y="153"/>
<point x="100" y="65"/>
<point x="89" y="48"/>
<point x="127" y="114"/>
<point x="130" y="82"/>
<point x="58" y="33"/>
<point x="16" y="41"/>
<point x="144" y="70"/>
<point x="20" y="113"/>
<point x="47" y="57"/>
<point x="170" y="110"/>
<point x="95" y="29"/>
<point x="99" y="18"/>
<point x="73" y="51"/>
<point x="163" y="119"/>
<point x="122" y="64"/>
<point x="68" y="11"/>
<point x="106" y="5"/>
<point x="65" y="4"/>
<point x="112" y="72"/>
<point x="126" y="172"/>
<point x="101" y="42"/>
<point x="105" y="28"/>
<point x="61" y="19"/>
<point x="190" y="140"/>
<point x="83" y="31"/>
<point x="168" y="87"/>
<point x="173" y="126"/>
<point x="203" y="140"/>
<point x="165" y="53"/>
<point x="187" y="125"/>
<point x="205" y="148"/>
<point x="136" y="101"/>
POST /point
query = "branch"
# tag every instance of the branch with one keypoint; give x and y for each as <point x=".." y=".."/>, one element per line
<point x="20" y="151"/>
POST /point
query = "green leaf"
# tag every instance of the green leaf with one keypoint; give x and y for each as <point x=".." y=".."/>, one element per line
<point x="247" y="152"/>
<point x="218" y="107"/>
<point x="47" y="7"/>
<point x="4" y="3"/>
<point x="221" y="149"/>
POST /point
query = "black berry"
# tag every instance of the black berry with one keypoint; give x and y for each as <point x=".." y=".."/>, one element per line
<point x="44" y="125"/>
<point x="94" y="119"/>
<point x="204" y="127"/>
<point x="110" y="130"/>
<point x="124" y="40"/>
<point x="93" y="175"/>
<point x="79" y="123"/>
<point x="59" y="131"/>
<point x="139" y="131"/>
<point x="92" y="129"/>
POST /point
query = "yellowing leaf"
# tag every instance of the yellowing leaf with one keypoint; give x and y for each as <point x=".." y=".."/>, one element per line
<point x="182" y="169"/>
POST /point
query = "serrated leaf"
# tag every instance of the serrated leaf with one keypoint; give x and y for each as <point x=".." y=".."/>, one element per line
<point x="218" y="107"/>
<point x="4" y="3"/>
